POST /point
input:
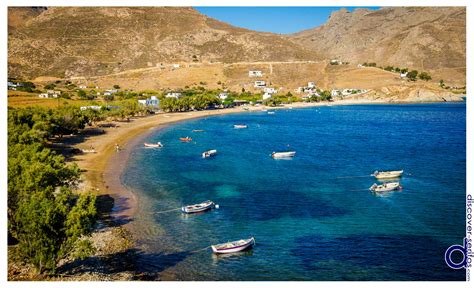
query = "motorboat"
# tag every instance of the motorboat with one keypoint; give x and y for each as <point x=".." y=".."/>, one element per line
<point x="201" y="207"/>
<point x="186" y="139"/>
<point x="385" y="187"/>
<point x="387" y="174"/>
<point x="153" y="145"/>
<point x="209" y="153"/>
<point x="240" y="126"/>
<point x="288" y="154"/>
<point x="234" y="246"/>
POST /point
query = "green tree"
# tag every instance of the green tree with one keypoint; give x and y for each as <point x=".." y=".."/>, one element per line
<point x="116" y="86"/>
<point x="412" y="75"/>
<point x="50" y="86"/>
<point x="424" y="76"/>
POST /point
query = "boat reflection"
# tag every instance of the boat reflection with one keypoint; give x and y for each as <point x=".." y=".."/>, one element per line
<point x="385" y="194"/>
<point x="231" y="256"/>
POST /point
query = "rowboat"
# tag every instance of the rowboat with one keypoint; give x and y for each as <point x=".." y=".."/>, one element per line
<point x="186" y="139"/>
<point x="240" y="126"/>
<point x="153" y="145"/>
<point x="278" y="155"/>
<point x="387" y="174"/>
<point x="198" y="130"/>
<point x="385" y="187"/>
<point x="234" y="246"/>
<point x="206" y="205"/>
<point x="209" y="153"/>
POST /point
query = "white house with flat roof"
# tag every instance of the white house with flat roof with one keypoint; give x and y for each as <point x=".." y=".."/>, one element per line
<point x="311" y="85"/>
<point x="266" y="96"/>
<point x="270" y="90"/>
<point x="223" y="95"/>
<point x="153" y="101"/>
<point x="259" y="84"/>
<point x="255" y="73"/>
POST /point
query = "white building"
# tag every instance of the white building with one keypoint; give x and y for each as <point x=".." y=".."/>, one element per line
<point x="403" y="75"/>
<point x="266" y="96"/>
<point x="175" y="66"/>
<point x="336" y="62"/>
<point x="311" y="85"/>
<point x="259" y="84"/>
<point x="335" y="92"/>
<point x="255" y="73"/>
<point x="176" y="95"/>
<point x="83" y="108"/>
<point x="82" y="87"/>
<point x="153" y="101"/>
<point x="50" y="94"/>
<point x="270" y="90"/>
<point x="223" y="95"/>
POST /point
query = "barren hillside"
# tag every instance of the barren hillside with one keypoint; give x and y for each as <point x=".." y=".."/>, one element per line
<point x="423" y="38"/>
<point x="78" y="41"/>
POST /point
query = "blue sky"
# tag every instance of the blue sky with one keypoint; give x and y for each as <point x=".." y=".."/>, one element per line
<point x="283" y="20"/>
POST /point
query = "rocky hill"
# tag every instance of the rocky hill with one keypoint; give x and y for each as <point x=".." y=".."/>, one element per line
<point x="423" y="38"/>
<point x="73" y="41"/>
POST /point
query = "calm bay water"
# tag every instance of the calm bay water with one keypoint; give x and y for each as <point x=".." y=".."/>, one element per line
<point x="313" y="217"/>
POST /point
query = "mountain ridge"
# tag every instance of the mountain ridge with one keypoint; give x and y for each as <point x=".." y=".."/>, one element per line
<point x="67" y="42"/>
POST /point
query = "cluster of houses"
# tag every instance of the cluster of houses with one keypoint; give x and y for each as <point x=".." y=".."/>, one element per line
<point x="310" y="90"/>
<point x="50" y="94"/>
<point x="13" y="85"/>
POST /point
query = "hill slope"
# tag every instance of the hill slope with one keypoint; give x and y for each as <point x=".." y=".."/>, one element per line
<point x="86" y="41"/>
<point x="424" y="38"/>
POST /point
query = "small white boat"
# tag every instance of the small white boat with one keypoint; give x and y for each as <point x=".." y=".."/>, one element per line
<point x="209" y="153"/>
<point x="234" y="246"/>
<point x="240" y="126"/>
<point x="385" y="187"/>
<point x="201" y="207"/>
<point x="270" y="112"/>
<point x="289" y="154"/>
<point x="153" y="145"/>
<point x="387" y="174"/>
<point x="264" y="110"/>
<point x="197" y="130"/>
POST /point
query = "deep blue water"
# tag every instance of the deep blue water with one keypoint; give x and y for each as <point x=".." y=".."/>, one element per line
<point x="311" y="218"/>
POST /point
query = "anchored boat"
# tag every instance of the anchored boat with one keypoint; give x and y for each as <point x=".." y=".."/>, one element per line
<point x="201" y="207"/>
<point x="240" y="126"/>
<point x="234" y="246"/>
<point x="209" y="153"/>
<point x="387" y="174"/>
<point x="385" y="187"/>
<point x="197" y="130"/>
<point x="186" y="139"/>
<point x="278" y="155"/>
<point x="153" y="145"/>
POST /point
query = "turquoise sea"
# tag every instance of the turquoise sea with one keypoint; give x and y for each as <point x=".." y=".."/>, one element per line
<point x="313" y="216"/>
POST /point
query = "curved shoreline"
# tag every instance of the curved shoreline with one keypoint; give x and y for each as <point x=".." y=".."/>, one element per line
<point x="104" y="168"/>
